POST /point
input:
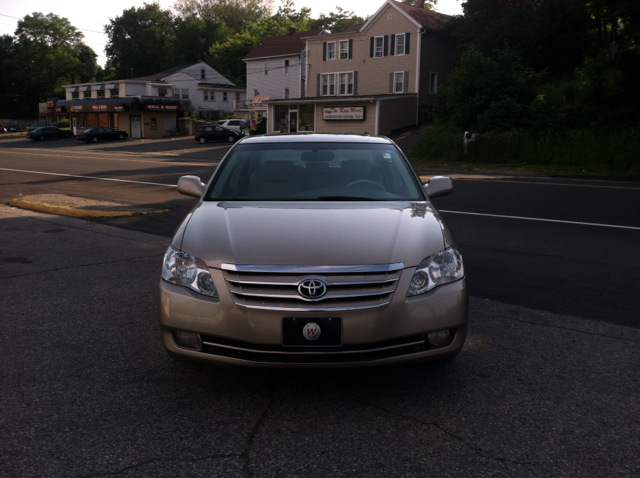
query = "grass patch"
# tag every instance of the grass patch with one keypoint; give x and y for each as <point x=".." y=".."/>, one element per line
<point x="577" y="152"/>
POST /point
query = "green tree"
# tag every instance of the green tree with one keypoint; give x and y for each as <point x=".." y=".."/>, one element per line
<point x="226" y="57"/>
<point x="237" y="15"/>
<point x="428" y="4"/>
<point x="488" y="94"/>
<point x="45" y="53"/>
<point x="140" y="42"/>
<point x="337" y="21"/>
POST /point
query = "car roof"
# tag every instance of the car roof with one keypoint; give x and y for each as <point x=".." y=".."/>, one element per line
<point x="317" y="138"/>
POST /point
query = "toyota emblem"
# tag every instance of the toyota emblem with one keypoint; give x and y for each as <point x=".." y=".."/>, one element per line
<point x="312" y="288"/>
<point x="311" y="331"/>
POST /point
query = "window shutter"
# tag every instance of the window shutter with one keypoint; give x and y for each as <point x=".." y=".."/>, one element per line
<point x="386" y="45"/>
<point x="350" y="49"/>
<point x="318" y="86"/>
<point x="407" y="43"/>
<point x="393" y="45"/>
<point x="391" y="82"/>
<point x="371" y="46"/>
<point x="355" y="83"/>
<point x="406" y="82"/>
<point x="324" y="51"/>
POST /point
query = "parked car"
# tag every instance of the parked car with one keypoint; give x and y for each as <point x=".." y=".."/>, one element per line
<point x="313" y="250"/>
<point x="101" y="134"/>
<point x="237" y="125"/>
<point x="212" y="132"/>
<point x="48" y="132"/>
<point x="34" y="127"/>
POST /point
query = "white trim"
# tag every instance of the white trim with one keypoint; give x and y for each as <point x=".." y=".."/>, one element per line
<point x="378" y="13"/>
<point x="418" y="56"/>
<point x="375" y="46"/>
<point x="347" y="84"/>
<point x="335" y="56"/>
<point x="395" y="83"/>
<point x="377" y="130"/>
<point x="340" y="42"/>
<point x="404" y="50"/>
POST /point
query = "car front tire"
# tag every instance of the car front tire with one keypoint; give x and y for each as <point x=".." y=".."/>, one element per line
<point x="202" y="140"/>
<point x="94" y="139"/>
<point x="121" y="137"/>
<point x="231" y="138"/>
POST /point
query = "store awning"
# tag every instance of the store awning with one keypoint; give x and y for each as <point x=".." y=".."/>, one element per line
<point x="48" y="112"/>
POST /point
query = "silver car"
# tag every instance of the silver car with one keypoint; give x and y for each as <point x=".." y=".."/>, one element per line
<point x="313" y="251"/>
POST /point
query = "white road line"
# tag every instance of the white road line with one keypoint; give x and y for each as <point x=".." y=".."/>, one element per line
<point x="541" y="220"/>
<point x="88" y="177"/>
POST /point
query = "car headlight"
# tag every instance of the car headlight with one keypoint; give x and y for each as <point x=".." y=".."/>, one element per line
<point x="440" y="268"/>
<point x="180" y="267"/>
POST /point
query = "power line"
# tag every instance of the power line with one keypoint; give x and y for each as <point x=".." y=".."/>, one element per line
<point x="81" y="29"/>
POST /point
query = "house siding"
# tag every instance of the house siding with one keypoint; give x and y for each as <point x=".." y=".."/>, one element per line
<point x="274" y="83"/>
<point x="373" y="73"/>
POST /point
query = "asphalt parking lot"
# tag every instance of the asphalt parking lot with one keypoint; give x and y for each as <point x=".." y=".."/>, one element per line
<point x="87" y="389"/>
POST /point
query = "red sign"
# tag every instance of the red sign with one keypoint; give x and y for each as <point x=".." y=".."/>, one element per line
<point x="99" y="107"/>
<point x="50" y="104"/>
<point x="343" y="113"/>
<point x="162" y="107"/>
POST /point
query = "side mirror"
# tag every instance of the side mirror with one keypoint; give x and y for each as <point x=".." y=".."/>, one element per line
<point x="191" y="186"/>
<point x="439" y="186"/>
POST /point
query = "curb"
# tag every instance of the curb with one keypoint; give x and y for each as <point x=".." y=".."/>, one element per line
<point x="74" y="212"/>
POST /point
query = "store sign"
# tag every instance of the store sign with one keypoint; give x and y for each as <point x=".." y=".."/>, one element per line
<point x="343" y="113"/>
<point x="162" y="107"/>
<point x="259" y="101"/>
<point x="75" y="108"/>
<point x="99" y="107"/>
<point x="50" y="104"/>
<point x="118" y="108"/>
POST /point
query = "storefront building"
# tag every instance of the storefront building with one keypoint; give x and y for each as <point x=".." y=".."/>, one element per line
<point x="374" y="115"/>
<point x="140" y="117"/>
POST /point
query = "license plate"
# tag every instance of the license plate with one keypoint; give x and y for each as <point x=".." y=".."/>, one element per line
<point x="314" y="332"/>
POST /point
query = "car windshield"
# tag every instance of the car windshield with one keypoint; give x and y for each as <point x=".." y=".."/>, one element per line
<point x="315" y="172"/>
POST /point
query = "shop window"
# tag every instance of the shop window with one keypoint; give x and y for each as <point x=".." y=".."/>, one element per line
<point x="103" y="120"/>
<point x="92" y="121"/>
<point x="115" y="93"/>
<point x="75" y="96"/>
<point x="307" y="116"/>
<point x="115" y="120"/>
<point x="100" y="94"/>
<point x="87" y="95"/>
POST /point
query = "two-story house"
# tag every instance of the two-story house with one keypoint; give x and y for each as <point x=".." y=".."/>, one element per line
<point x="372" y="78"/>
<point x="276" y="67"/>
<point x="148" y="106"/>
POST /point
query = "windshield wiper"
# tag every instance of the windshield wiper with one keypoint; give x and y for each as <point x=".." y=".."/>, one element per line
<point x="345" y="198"/>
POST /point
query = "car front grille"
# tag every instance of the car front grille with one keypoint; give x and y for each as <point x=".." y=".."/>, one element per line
<point x="345" y="287"/>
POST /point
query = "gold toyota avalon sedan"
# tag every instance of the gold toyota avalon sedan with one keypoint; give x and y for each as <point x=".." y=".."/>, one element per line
<point x="313" y="251"/>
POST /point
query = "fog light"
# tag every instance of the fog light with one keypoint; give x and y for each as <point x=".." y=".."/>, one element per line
<point x="440" y="338"/>
<point x="187" y="340"/>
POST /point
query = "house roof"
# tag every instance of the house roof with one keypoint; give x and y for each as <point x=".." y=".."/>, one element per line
<point x="427" y="18"/>
<point x="281" y="45"/>
<point x="158" y="76"/>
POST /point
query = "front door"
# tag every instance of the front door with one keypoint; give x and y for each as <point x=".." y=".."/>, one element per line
<point x="74" y="125"/>
<point x="136" y="127"/>
<point x="293" y="122"/>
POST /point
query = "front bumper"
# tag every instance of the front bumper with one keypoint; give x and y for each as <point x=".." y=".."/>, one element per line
<point x="390" y="334"/>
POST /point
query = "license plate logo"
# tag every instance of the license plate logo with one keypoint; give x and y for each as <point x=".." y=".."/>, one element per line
<point x="311" y="331"/>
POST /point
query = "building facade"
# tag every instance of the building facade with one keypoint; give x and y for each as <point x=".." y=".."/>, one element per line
<point x="372" y="78"/>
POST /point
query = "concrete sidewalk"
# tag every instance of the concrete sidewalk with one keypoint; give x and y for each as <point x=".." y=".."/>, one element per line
<point x="87" y="390"/>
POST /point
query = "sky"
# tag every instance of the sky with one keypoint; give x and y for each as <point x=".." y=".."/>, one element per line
<point x="91" y="20"/>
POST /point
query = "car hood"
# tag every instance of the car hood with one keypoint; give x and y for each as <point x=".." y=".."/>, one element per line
<point x="337" y="233"/>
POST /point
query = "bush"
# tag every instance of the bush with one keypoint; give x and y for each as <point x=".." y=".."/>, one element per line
<point x="63" y="123"/>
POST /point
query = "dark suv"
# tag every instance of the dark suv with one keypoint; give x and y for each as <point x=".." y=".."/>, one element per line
<point x="213" y="132"/>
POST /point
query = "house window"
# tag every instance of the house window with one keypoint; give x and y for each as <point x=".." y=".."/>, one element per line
<point x="328" y="84"/>
<point x="100" y="94"/>
<point x="237" y="96"/>
<point x="345" y="83"/>
<point x="115" y="93"/>
<point x="378" y="51"/>
<point x="286" y="93"/>
<point x="400" y="42"/>
<point x="206" y="95"/>
<point x="398" y="82"/>
<point x="176" y="93"/>
<point x="331" y="50"/>
<point x="255" y="92"/>
<point x="75" y="96"/>
<point x="286" y="67"/>
<point x="266" y="70"/>
<point x="185" y="94"/>
<point x="224" y="97"/>
<point x="344" y="50"/>
<point x="433" y="82"/>
<point x="202" y="74"/>
<point x="87" y="94"/>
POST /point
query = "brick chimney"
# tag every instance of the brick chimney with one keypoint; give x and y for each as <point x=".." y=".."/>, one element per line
<point x="293" y="30"/>
<point x="419" y="4"/>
